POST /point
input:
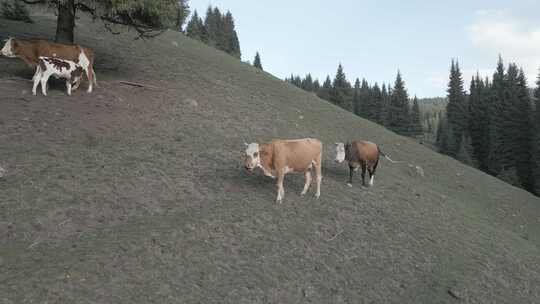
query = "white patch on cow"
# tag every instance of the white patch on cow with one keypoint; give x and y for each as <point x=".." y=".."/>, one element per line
<point x="288" y="169"/>
<point x="83" y="60"/>
<point x="371" y="180"/>
<point x="253" y="158"/>
<point x="7" y="50"/>
<point x="340" y="152"/>
<point x="252" y="148"/>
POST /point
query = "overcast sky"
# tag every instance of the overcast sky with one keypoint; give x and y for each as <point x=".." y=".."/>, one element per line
<point x="373" y="39"/>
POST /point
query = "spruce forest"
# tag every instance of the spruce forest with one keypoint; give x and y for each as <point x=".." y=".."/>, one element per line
<point x="494" y="127"/>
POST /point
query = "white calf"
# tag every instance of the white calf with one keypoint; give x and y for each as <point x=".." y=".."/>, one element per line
<point x="59" y="68"/>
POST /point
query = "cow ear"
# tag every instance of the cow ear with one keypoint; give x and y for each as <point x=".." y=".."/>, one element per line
<point x="246" y="144"/>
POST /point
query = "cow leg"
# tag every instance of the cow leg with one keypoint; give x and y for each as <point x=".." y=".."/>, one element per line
<point x="76" y="85"/>
<point x="36" y="79"/>
<point x="68" y="86"/>
<point x="318" y="176"/>
<point x="44" y="80"/>
<point x="90" y="77"/>
<point x="307" y="175"/>
<point x="372" y="173"/>
<point x="363" y="173"/>
<point x="351" y="173"/>
<point x="280" y="189"/>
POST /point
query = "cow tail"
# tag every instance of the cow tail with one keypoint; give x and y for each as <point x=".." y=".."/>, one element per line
<point x="386" y="156"/>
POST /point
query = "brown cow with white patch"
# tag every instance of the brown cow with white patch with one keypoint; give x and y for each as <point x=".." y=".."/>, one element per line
<point x="280" y="157"/>
<point x="30" y="51"/>
<point x="360" y="153"/>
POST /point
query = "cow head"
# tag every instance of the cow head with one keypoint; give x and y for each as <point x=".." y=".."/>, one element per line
<point x="9" y="48"/>
<point x="252" y="158"/>
<point x="340" y="152"/>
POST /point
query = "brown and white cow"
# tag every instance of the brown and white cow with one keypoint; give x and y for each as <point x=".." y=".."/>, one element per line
<point x="280" y="157"/>
<point x="30" y="51"/>
<point x="58" y="68"/>
<point x="364" y="154"/>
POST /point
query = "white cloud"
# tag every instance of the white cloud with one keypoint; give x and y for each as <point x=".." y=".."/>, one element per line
<point x="517" y="40"/>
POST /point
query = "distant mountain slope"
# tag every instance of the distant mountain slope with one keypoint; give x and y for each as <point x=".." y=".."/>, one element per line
<point x="137" y="195"/>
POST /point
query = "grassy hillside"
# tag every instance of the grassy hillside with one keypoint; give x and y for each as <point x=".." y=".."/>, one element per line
<point x="137" y="195"/>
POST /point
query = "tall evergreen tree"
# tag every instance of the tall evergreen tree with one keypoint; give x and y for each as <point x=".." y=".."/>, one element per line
<point x="257" y="62"/>
<point x="536" y="139"/>
<point x="479" y="120"/>
<point x="231" y="45"/>
<point x="212" y="24"/>
<point x="398" y="109"/>
<point x="456" y="109"/>
<point x="307" y="83"/>
<point x="316" y="86"/>
<point x="341" y="94"/>
<point x="324" y="92"/>
<point x="377" y="100"/>
<point x="356" y="97"/>
<point x="385" y="102"/>
<point x="464" y="153"/>
<point x="416" y="121"/>
<point x="195" y="27"/>
<point x="364" y="100"/>
<point x="498" y="90"/>
<point x="522" y="132"/>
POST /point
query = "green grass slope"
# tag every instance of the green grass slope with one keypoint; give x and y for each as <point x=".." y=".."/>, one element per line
<point x="137" y="194"/>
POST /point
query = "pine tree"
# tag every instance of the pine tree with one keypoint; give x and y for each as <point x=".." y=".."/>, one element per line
<point x="416" y="121"/>
<point x="341" y="94"/>
<point x="324" y="92"/>
<point x="366" y="108"/>
<point x="212" y="24"/>
<point x="456" y="109"/>
<point x="230" y="39"/>
<point x="464" y="153"/>
<point x="356" y="98"/>
<point x="385" y="102"/>
<point x="182" y="14"/>
<point x="496" y="123"/>
<point x="443" y="134"/>
<point x="195" y="28"/>
<point x="479" y="120"/>
<point x="316" y="86"/>
<point x="307" y="83"/>
<point x="257" y="62"/>
<point x="221" y="41"/>
<point x="377" y="98"/>
<point x="536" y="139"/>
<point x="522" y="132"/>
<point x="398" y="109"/>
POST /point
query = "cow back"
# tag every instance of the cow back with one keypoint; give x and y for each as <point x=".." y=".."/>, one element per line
<point x="363" y="151"/>
<point x="31" y="50"/>
<point x="296" y="154"/>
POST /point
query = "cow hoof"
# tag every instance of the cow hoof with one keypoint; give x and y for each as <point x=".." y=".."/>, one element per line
<point x="349" y="184"/>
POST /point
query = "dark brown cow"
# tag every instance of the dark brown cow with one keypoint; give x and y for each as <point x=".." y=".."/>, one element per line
<point x="30" y="51"/>
<point x="280" y="157"/>
<point x="358" y="154"/>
